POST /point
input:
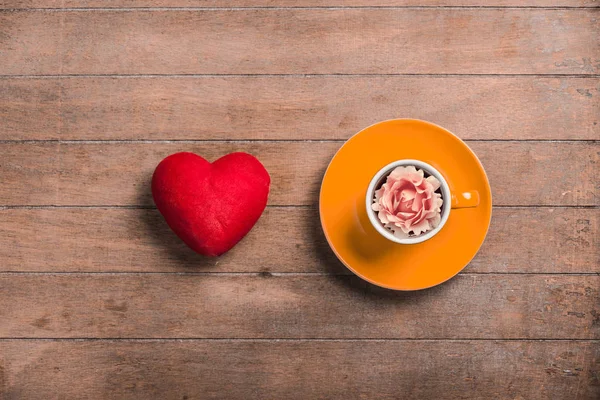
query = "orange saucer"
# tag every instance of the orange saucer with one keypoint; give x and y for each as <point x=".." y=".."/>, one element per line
<point x="356" y="242"/>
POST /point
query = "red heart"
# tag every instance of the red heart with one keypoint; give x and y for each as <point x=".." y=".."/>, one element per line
<point x="210" y="207"/>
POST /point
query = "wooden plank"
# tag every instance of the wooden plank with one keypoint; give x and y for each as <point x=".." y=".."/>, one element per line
<point x="300" y="369"/>
<point x="284" y="240"/>
<point x="301" y="41"/>
<point x="293" y="306"/>
<point x="29" y="174"/>
<point x="309" y="107"/>
<point x="286" y="3"/>
<point x="568" y="241"/>
<point x="57" y="173"/>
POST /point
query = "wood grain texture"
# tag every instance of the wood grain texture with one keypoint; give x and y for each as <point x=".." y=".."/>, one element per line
<point x="57" y="173"/>
<point x="311" y="107"/>
<point x="301" y="370"/>
<point x="314" y="306"/>
<point x="279" y="317"/>
<point x="287" y="3"/>
<point x="129" y="240"/>
<point x="301" y="41"/>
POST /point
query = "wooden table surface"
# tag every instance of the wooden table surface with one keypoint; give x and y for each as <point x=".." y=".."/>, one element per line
<point x="98" y="299"/>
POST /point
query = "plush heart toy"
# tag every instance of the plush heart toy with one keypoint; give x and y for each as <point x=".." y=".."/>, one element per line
<point x="210" y="207"/>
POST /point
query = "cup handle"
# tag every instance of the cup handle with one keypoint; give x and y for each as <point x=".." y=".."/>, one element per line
<point x="465" y="199"/>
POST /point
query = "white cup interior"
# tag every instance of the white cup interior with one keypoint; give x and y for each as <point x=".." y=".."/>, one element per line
<point x="379" y="179"/>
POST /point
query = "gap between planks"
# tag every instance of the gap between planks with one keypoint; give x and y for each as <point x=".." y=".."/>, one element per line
<point x="246" y="141"/>
<point x="426" y="75"/>
<point x="304" y="206"/>
<point x="265" y="274"/>
<point x="248" y="8"/>
<point x="201" y="339"/>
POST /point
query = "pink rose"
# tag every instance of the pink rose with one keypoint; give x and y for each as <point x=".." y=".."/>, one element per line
<point x="407" y="202"/>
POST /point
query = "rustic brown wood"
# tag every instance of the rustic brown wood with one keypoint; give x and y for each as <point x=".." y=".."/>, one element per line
<point x="107" y="240"/>
<point x="301" y="369"/>
<point x="279" y="317"/>
<point x="312" y="107"/>
<point x="287" y="3"/>
<point x="314" y="306"/>
<point x="562" y="173"/>
<point x="301" y="41"/>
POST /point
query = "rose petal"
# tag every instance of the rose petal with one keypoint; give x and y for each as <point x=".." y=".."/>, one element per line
<point x="435" y="183"/>
<point x="420" y="200"/>
<point x="392" y="218"/>
<point x="397" y="199"/>
<point x="435" y="221"/>
<point x="406" y="206"/>
<point x="416" y="176"/>
<point x="399" y="233"/>
<point x="409" y="173"/>
<point x="394" y="185"/>
<point x="403" y="216"/>
<point x="428" y="204"/>
<point x="408" y="194"/>
<point x="382" y="217"/>
<point x="387" y="201"/>
<point x="403" y="227"/>
<point x="438" y="202"/>
<point x="398" y="173"/>
<point x="418" y="217"/>
<point x="424" y="187"/>
<point x="421" y="227"/>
